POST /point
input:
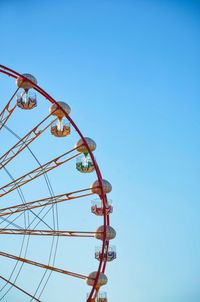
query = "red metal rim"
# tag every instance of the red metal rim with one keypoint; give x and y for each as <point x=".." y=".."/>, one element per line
<point x="106" y="221"/>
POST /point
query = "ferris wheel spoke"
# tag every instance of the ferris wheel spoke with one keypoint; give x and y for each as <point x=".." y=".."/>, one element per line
<point x="17" y="226"/>
<point x="31" y="225"/>
<point x="6" y="220"/>
<point x="44" y="266"/>
<point x="26" y="178"/>
<point x="7" y="111"/>
<point x="25" y="141"/>
<point x="34" y="232"/>
<point x="45" y="202"/>
<point x="19" y="288"/>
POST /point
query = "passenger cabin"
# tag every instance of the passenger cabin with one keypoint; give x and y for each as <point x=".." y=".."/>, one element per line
<point x="27" y="100"/>
<point x="108" y="255"/>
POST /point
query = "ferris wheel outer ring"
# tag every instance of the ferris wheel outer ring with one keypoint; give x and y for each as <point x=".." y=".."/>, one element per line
<point x="102" y="263"/>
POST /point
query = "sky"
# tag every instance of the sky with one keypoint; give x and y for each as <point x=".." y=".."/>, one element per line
<point x="130" y="71"/>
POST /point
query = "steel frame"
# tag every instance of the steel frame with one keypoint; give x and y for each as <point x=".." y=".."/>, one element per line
<point x="52" y="268"/>
<point x="24" y="142"/>
<point x="44" y="202"/>
<point x="4" y="116"/>
<point x="24" y="179"/>
<point x="19" y="288"/>
<point x="7" y="111"/>
<point x="48" y="233"/>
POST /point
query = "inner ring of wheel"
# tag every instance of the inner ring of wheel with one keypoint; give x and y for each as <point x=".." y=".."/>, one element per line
<point x="102" y="262"/>
<point x="25" y="243"/>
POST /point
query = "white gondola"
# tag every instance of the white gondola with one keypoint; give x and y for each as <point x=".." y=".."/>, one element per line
<point x="98" y="209"/>
<point x="61" y="128"/>
<point x="84" y="164"/>
<point x="27" y="100"/>
<point x="108" y="255"/>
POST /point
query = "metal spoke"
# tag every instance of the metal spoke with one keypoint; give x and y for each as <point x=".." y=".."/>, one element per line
<point x="48" y="267"/>
<point x="54" y="163"/>
<point x="43" y="202"/>
<point x="7" y="111"/>
<point x="24" y="142"/>
<point x="28" y="232"/>
<point x="19" y="288"/>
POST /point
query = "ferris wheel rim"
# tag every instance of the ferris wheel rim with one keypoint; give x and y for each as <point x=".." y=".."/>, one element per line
<point x="106" y="220"/>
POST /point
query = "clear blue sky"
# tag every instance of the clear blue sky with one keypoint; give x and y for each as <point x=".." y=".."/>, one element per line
<point x="130" y="70"/>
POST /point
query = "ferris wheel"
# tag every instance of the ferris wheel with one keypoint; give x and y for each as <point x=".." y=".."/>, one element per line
<point x="51" y="190"/>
